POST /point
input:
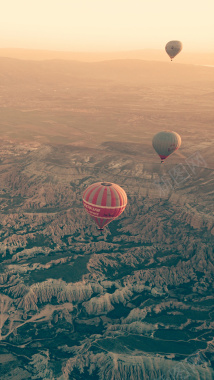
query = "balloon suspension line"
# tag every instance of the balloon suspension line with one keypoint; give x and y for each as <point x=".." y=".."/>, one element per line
<point x="162" y="171"/>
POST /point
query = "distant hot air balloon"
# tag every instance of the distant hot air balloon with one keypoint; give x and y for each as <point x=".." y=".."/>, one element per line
<point x="165" y="143"/>
<point x="104" y="201"/>
<point x="173" y="48"/>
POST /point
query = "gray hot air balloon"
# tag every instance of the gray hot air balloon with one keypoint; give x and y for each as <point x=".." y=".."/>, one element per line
<point x="165" y="143"/>
<point x="173" y="48"/>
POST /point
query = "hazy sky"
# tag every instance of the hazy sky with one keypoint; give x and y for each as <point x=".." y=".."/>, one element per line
<point x="85" y="25"/>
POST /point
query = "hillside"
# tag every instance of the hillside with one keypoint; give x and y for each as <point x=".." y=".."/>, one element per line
<point x="90" y="103"/>
<point x="126" y="70"/>
<point x="135" y="299"/>
<point x="132" y="302"/>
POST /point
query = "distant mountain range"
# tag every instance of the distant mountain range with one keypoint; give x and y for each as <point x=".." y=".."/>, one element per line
<point x="118" y="100"/>
<point x="198" y="58"/>
<point x="128" y="71"/>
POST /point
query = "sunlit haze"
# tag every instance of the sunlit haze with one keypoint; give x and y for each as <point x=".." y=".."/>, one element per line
<point x="90" y="25"/>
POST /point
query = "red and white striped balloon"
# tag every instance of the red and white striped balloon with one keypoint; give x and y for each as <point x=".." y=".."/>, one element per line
<point x="104" y="201"/>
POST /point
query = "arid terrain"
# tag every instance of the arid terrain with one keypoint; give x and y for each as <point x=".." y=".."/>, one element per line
<point x="187" y="56"/>
<point x="134" y="301"/>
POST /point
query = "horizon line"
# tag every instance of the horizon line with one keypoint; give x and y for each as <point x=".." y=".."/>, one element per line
<point x="105" y="51"/>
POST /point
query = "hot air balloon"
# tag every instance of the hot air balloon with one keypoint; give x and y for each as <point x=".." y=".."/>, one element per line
<point x="104" y="201"/>
<point x="165" y="143"/>
<point x="173" y="48"/>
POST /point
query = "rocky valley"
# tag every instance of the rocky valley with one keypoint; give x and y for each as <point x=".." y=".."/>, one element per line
<point x="134" y="301"/>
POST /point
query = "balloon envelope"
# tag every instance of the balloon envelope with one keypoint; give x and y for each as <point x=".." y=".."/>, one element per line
<point x="165" y="143"/>
<point x="173" y="48"/>
<point x="104" y="201"/>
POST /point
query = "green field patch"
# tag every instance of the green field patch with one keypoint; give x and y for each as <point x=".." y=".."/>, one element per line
<point x="7" y="256"/>
<point x="44" y="259"/>
<point x="173" y="261"/>
<point x="84" y="328"/>
<point x="25" y="352"/>
<point x="167" y="319"/>
<point x="184" y="289"/>
<point x="150" y="301"/>
<point x="136" y="342"/>
<point x="123" y="270"/>
<point x="207" y="302"/>
<point x="168" y="253"/>
<point x="83" y="375"/>
<point x="200" y="315"/>
<point x="113" y="345"/>
<point x="69" y="272"/>
<point x="119" y="311"/>
<point x="41" y="258"/>
<point x="39" y="241"/>
<point x="144" y="296"/>
<point x="175" y="335"/>
<point x="209" y="335"/>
